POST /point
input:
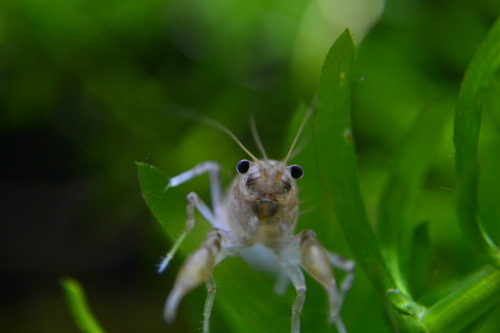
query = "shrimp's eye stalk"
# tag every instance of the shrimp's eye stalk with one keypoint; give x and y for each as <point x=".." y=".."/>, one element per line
<point x="296" y="171"/>
<point x="243" y="166"/>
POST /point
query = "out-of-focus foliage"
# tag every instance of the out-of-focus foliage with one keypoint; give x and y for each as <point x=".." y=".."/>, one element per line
<point x="88" y="87"/>
<point x="79" y="308"/>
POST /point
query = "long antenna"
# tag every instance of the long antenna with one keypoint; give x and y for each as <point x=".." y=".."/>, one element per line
<point x="226" y="130"/>
<point x="309" y="112"/>
<point x="256" y="137"/>
<point x="192" y="115"/>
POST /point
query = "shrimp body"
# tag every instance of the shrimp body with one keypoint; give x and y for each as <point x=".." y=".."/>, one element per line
<point x="258" y="212"/>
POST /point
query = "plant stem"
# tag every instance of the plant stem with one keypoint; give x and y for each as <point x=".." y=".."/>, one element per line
<point x="476" y="295"/>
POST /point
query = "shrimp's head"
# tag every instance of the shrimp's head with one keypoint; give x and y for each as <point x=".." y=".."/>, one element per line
<point x="268" y="186"/>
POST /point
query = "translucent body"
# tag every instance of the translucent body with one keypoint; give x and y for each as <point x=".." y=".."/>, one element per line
<point x="260" y="208"/>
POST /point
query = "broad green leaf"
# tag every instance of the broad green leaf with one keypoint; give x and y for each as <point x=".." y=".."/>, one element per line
<point x="339" y="179"/>
<point x="337" y="162"/>
<point x="79" y="308"/>
<point x="397" y="204"/>
<point x="478" y="78"/>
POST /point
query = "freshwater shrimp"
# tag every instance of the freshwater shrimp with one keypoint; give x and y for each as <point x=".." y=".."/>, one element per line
<point x="260" y="208"/>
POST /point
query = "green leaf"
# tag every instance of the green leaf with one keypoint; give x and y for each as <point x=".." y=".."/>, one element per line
<point x="478" y="78"/>
<point x="337" y="162"/>
<point x="162" y="203"/>
<point x="168" y="206"/>
<point x="339" y="175"/>
<point x="480" y="292"/>
<point x="399" y="198"/>
<point x="77" y="303"/>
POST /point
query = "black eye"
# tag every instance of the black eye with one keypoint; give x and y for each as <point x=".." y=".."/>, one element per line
<point x="296" y="171"/>
<point x="243" y="166"/>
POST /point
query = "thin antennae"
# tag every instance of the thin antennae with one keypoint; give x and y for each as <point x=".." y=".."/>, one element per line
<point x="298" y="149"/>
<point x="301" y="127"/>
<point x="190" y="114"/>
<point x="256" y="137"/>
<point x="226" y="130"/>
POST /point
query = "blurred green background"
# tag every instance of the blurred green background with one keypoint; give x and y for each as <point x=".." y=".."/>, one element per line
<point x="87" y="87"/>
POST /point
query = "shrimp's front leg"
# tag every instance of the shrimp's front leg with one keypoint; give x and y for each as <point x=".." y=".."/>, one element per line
<point x="193" y="201"/>
<point x="213" y="170"/>
<point x="316" y="262"/>
<point x="346" y="265"/>
<point x="195" y="270"/>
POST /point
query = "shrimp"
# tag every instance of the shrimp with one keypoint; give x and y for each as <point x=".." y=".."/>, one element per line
<point x="260" y="208"/>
